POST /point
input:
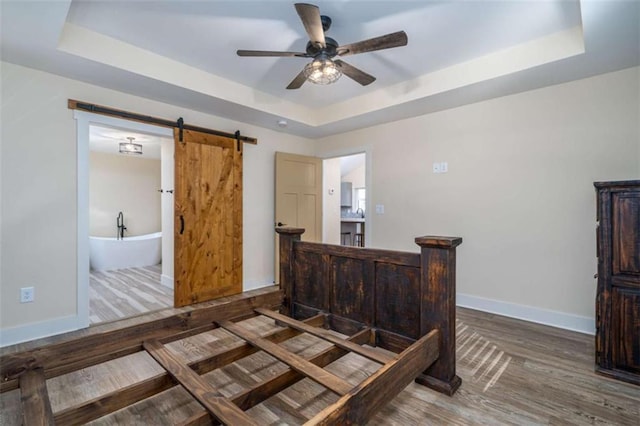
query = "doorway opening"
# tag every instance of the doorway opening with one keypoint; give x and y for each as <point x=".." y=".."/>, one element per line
<point x="345" y="206"/>
<point x="125" y="218"/>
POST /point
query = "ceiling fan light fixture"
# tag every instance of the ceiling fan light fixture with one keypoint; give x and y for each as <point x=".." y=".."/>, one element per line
<point x="130" y="147"/>
<point x="322" y="70"/>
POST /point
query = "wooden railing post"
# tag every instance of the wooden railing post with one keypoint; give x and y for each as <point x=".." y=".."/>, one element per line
<point x="438" y="308"/>
<point x="287" y="238"/>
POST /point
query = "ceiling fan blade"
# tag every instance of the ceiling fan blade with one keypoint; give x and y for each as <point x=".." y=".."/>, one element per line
<point x="270" y="53"/>
<point x="310" y="16"/>
<point x="297" y="82"/>
<point x="354" y="73"/>
<point x="377" y="43"/>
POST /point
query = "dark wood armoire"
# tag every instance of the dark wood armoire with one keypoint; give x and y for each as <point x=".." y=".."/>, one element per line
<point x="618" y="293"/>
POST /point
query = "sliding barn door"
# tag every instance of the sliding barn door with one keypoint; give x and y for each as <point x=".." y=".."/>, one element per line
<point x="208" y="217"/>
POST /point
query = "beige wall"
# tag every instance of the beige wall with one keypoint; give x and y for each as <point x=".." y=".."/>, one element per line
<point x="331" y="201"/>
<point x="519" y="188"/>
<point x="39" y="205"/>
<point x="119" y="183"/>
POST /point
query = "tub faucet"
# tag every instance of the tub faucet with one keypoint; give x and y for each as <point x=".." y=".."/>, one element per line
<point x="121" y="227"/>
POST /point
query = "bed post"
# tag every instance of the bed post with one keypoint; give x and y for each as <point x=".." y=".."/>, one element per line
<point x="287" y="237"/>
<point x="438" y="308"/>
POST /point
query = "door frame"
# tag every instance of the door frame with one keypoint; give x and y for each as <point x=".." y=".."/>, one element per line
<point x="84" y="120"/>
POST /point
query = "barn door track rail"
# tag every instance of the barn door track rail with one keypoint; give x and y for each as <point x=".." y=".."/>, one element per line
<point x="179" y="124"/>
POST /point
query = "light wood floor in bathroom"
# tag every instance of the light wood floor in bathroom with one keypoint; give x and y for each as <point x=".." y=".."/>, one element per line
<point x="513" y="373"/>
<point x="125" y="293"/>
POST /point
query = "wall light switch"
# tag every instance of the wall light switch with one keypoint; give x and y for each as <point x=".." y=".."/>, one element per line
<point x="444" y="167"/>
<point x="436" y="168"/>
<point x="379" y="208"/>
<point x="27" y="294"/>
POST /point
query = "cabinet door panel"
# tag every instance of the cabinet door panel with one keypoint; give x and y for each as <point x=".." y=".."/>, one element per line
<point x="626" y="328"/>
<point x="626" y="233"/>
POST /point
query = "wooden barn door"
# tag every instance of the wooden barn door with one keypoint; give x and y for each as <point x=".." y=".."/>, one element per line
<point x="208" y="217"/>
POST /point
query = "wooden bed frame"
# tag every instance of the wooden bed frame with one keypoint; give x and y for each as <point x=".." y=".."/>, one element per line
<point x="402" y="302"/>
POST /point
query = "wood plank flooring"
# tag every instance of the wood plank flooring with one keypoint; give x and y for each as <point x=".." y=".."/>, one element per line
<point x="513" y="372"/>
<point x="125" y="293"/>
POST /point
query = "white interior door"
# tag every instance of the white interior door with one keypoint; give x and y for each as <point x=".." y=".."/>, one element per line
<point x="298" y="201"/>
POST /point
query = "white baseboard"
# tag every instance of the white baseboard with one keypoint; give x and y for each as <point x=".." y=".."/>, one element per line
<point x="249" y="285"/>
<point x="166" y="281"/>
<point x="557" y="319"/>
<point x="37" y="330"/>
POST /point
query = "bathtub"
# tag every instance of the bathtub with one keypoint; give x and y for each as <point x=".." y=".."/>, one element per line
<point x="109" y="253"/>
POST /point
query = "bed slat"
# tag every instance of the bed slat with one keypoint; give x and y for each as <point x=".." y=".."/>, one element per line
<point x="315" y="373"/>
<point x="264" y="390"/>
<point x="223" y="409"/>
<point x="364" y="400"/>
<point x="61" y="358"/>
<point x="113" y="401"/>
<point x="371" y="354"/>
<point x="36" y="407"/>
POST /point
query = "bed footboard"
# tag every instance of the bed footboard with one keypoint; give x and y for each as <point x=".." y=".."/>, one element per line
<point x="403" y="296"/>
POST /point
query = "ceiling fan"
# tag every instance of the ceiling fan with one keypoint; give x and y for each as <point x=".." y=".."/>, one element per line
<point x="324" y="69"/>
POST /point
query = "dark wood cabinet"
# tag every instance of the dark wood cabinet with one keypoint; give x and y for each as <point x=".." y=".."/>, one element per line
<point x="618" y="292"/>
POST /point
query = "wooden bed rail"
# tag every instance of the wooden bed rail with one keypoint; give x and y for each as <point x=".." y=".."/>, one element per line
<point x="404" y="295"/>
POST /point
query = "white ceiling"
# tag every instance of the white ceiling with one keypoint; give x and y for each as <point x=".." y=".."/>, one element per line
<point x="183" y="52"/>
<point x="107" y="140"/>
<point x="351" y="162"/>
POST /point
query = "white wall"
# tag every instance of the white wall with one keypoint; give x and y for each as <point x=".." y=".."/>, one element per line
<point x="39" y="204"/>
<point x="331" y="201"/>
<point x="519" y="190"/>
<point x="357" y="179"/>
<point x="119" y="183"/>
<point x="167" y="175"/>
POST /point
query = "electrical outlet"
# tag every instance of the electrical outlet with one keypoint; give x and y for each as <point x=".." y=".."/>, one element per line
<point x="27" y="294"/>
<point x="379" y="208"/>
<point x="436" y="168"/>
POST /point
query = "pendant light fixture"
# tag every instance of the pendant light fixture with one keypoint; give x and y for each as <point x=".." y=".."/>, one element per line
<point x="130" y="147"/>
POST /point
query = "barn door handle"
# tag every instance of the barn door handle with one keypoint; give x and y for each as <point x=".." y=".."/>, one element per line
<point x="281" y="224"/>
<point x="181" y="224"/>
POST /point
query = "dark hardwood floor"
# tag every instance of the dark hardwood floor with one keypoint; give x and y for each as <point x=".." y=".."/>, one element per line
<point x="513" y="372"/>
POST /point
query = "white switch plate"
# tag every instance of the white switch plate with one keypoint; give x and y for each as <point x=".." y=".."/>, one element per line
<point x="27" y="294"/>
<point x="379" y="208"/>
<point x="441" y="167"/>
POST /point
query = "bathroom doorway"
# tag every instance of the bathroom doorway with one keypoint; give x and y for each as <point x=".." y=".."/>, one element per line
<point x="130" y="188"/>
<point x="125" y="218"/>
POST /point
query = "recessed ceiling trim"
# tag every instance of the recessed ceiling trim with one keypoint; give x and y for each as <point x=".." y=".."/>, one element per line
<point x="90" y="45"/>
<point x="544" y="50"/>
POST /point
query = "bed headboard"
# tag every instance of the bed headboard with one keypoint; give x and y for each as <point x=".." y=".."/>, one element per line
<point x="401" y="295"/>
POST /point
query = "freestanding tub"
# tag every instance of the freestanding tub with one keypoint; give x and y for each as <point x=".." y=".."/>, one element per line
<point x="110" y="253"/>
